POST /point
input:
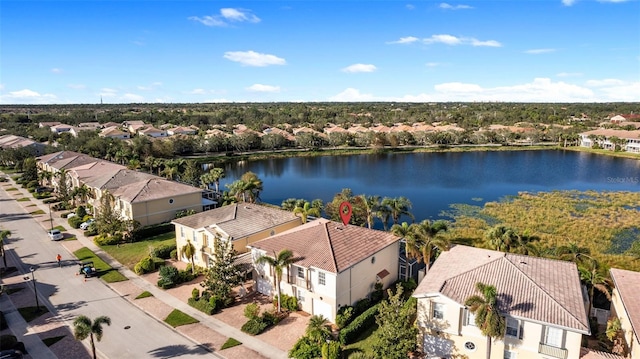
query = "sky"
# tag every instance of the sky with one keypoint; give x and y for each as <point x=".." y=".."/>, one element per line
<point x="161" y="51"/>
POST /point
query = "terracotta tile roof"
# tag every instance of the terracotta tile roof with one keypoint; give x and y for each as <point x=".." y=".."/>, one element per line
<point x="133" y="186"/>
<point x="628" y="285"/>
<point x="534" y="288"/>
<point x="328" y="245"/>
<point x="586" y="353"/>
<point x="239" y="220"/>
<point x="627" y="135"/>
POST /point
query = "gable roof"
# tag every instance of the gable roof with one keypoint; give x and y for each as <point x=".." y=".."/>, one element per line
<point x="328" y="245"/>
<point x="539" y="289"/>
<point x="628" y="285"/>
<point x="239" y="220"/>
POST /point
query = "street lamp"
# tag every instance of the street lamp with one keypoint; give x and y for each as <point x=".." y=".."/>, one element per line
<point x="50" y="217"/>
<point x="35" y="289"/>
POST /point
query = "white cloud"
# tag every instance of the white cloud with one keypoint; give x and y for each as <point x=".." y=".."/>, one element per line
<point x="359" y="68"/>
<point x="151" y="87"/>
<point x="605" y="82"/>
<point x="569" y="74"/>
<point x="198" y="92"/>
<point x="432" y="64"/>
<point x="132" y="98"/>
<point x="568" y="2"/>
<point x="56" y="70"/>
<point x="455" y="40"/>
<point x="539" y="51"/>
<point x="263" y="88"/>
<point x="218" y="100"/>
<point x="27" y="96"/>
<point x="226" y="17"/>
<point x="107" y="92"/>
<point x="352" y="94"/>
<point x="252" y="58"/>
<point x="77" y="86"/>
<point x="410" y="6"/>
<point x="1" y="86"/>
<point x="623" y="91"/>
<point x="404" y="40"/>
<point x="446" y="6"/>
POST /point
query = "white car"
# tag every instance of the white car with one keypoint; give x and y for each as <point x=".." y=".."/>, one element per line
<point x="72" y="214"/>
<point x="85" y="225"/>
<point x="55" y="235"/>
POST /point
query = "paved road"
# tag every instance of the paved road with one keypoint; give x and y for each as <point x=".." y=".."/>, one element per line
<point x="132" y="334"/>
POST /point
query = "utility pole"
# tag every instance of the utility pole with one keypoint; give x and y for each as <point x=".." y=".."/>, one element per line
<point x="50" y="217"/>
<point x="35" y="289"/>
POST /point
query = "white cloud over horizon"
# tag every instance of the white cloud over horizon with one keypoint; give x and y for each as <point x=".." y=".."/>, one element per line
<point x="356" y="68"/>
<point x="57" y="70"/>
<point x="263" y="88"/>
<point x="27" y="96"/>
<point x="447" y="39"/>
<point x="226" y="17"/>
<point x="539" y="51"/>
<point x="446" y="6"/>
<point x="252" y="58"/>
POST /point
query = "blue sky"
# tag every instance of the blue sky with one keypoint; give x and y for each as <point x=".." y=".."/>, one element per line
<point x="268" y="51"/>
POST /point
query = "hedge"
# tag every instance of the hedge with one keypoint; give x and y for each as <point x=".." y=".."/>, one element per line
<point x="203" y="305"/>
<point x="164" y="251"/>
<point x="151" y="231"/>
<point x="363" y="322"/>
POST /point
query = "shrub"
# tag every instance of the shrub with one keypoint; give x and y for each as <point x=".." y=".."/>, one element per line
<point x="343" y="318"/>
<point x="169" y="277"/>
<point x="377" y="294"/>
<point x="107" y="240"/>
<point x="9" y="341"/>
<point x="92" y="230"/>
<point x="151" y="231"/>
<point x="174" y="254"/>
<point x="254" y="326"/>
<point x="81" y="212"/>
<point x="164" y="251"/>
<point x="331" y="350"/>
<point x="195" y="293"/>
<point x="363" y="322"/>
<point x="305" y="348"/>
<point x="287" y="302"/>
<point x="32" y="184"/>
<point x="50" y="200"/>
<point x="145" y="265"/>
<point x="252" y="311"/>
<point x="185" y="276"/>
<point x="202" y="305"/>
<point x="64" y="214"/>
<point x="75" y="221"/>
<point x="361" y="306"/>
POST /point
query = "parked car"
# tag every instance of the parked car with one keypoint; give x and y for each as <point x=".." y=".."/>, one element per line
<point x="43" y="189"/>
<point x="55" y="235"/>
<point x="87" y="269"/>
<point x="72" y="214"/>
<point x="85" y="225"/>
<point x="11" y="354"/>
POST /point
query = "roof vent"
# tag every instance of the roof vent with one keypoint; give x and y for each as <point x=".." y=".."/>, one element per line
<point x="523" y="262"/>
<point x="339" y="228"/>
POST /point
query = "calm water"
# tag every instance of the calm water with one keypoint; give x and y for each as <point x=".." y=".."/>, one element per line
<point x="433" y="181"/>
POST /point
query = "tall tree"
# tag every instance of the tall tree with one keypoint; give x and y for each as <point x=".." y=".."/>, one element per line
<point x="371" y="206"/>
<point x="594" y="276"/>
<point x="411" y="244"/>
<point x="278" y="262"/>
<point x="223" y="274"/>
<point x="398" y="206"/>
<point x="574" y="253"/>
<point x="213" y="177"/>
<point x="84" y="328"/>
<point x="189" y="250"/>
<point x="429" y="238"/>
<point x="396" y="334"/>
<point x="318" y="329"/>
<point x="485" y="308"/>
<point x="305" y="211"/>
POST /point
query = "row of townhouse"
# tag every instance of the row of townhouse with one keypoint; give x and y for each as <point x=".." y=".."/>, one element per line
<point x="336" y="265"/>
<point x="139" y="196"/>
<point x="630" y="140"/>
<point x="8" y="142"/>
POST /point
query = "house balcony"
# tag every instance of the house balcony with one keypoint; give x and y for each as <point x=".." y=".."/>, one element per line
<point x="553" y="351"/>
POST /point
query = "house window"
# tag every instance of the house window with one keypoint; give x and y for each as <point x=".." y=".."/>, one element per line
<point x="181" y="232"/>
<point x="470" y="318"/>
<point x="513" y="327"/>
<point x="205" y="240"/>
<point x="553" y="337"/>
<point x="193" y="235"/>
<point x="170" y="200"/>
<point x="300" y="295"/>
<point x="509" y="354"/>
<point x="300" y="272"/>
<point x="470" y="346"/>
<point x="322" y="280"/>
<point x="438" y="311"/>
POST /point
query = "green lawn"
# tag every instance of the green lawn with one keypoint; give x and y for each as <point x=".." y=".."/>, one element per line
<point x="144" y="294"/>
<point x="23" y="199"/>
<point x="230" y="343"/>
<point x="364" y="343"/>
<point x="105" y="272"/>
<point x="131" y="253"/>
<point x="10" y="189"/>
<point x="37" y="212"/>
<point x="178" y="318"/>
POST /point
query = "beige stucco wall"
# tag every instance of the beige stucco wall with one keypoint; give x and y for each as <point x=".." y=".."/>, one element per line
<point x="161" y="210"/>
<point x="452" y="328"/>
<point x="619" y="311"/>
<point x="240" y="244"/>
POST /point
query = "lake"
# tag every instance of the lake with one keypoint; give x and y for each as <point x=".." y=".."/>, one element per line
<point x="433" y="181"/>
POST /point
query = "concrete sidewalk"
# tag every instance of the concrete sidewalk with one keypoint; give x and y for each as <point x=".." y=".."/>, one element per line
<point x="250" y="342"/>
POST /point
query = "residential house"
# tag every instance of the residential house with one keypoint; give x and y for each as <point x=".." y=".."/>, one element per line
<point x="541" y="299"/>
<point x="152" y="132"/>
<point x="335" y="265"/>
<point x="181" y="131"/>
<point x="61" y="128"/>
<point x="13" y="142"/>
<point x="114" y="132"/>
<point x="240" y="223"/>
<point x="625" y="304"/>
<point x="133" y="126"/>
<point x="138" y="196"/>
<point x="48" y="124"/>
<point x="630" y="140"/>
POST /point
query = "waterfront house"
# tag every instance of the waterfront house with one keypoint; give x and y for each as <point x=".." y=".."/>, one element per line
<point x="540" y="298"/>
<point x="625" y="304"/>
<point x="629" y="140"/>
<point x="335" y="265"/>
<point x="240" y="223"/>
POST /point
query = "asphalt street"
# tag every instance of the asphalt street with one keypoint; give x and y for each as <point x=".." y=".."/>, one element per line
<point x="132" y="333"/>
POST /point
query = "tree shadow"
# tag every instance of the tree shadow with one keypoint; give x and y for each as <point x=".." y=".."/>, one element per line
<point x="7" y="217"/>
<point x="172" y="351"/>
<point x="507" y="305"/>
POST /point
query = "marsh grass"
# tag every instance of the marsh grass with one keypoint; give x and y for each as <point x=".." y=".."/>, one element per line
<point x="604" y="222"/>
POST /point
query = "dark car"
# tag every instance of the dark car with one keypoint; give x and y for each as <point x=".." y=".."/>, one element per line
<point x="43" y="189"/>
<point x="11" y="354"/>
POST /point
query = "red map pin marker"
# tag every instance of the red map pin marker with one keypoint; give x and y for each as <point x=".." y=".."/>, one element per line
<point x="345" y="212"/>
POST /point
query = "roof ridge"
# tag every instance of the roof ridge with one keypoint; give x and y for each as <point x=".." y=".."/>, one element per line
<point x="145" y="185"/>
<point x="328" y="236"/>
<point x="444" y="282"/>
<point x="538" y="286"/>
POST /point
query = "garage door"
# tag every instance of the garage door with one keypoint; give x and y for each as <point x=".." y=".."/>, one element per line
<point x="322" y="308"/>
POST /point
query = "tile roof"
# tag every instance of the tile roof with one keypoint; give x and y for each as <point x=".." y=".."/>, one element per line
<point x="627" y="135"/>
<point x="328" y="245"/>
<point x="586" y="353"/>
<point x="628" y="285"/>
<point x="133" y="186"/>
<point x="539" y="289"/>
<point x="239" y="220"/>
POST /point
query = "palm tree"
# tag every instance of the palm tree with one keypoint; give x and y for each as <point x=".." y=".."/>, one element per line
<point x="318" y="329"/>
<point x="371" y="206"/>
<point x="429" y="238"/>
<point x="574" y="253"/>
<point x="485" y="309"/>
<point x="398" y="206"/>
<point x="45" y="177"/>
<point x="216" y="174"/>
<point x="593" y="275"/>
<point x="305" y="211"/>
<point x="278" y="262"/>
<point x="500" y="238"/>
<point x="189" y="250"/>
<point x="384" y="213"/>
<point x="83" y="327"/>
<point x="252" y="186"/>
<point x="411" y="244"/>
<point x="3" y="235"/>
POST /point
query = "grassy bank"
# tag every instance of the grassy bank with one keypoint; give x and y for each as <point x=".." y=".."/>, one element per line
<point x="129" y="254"/>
